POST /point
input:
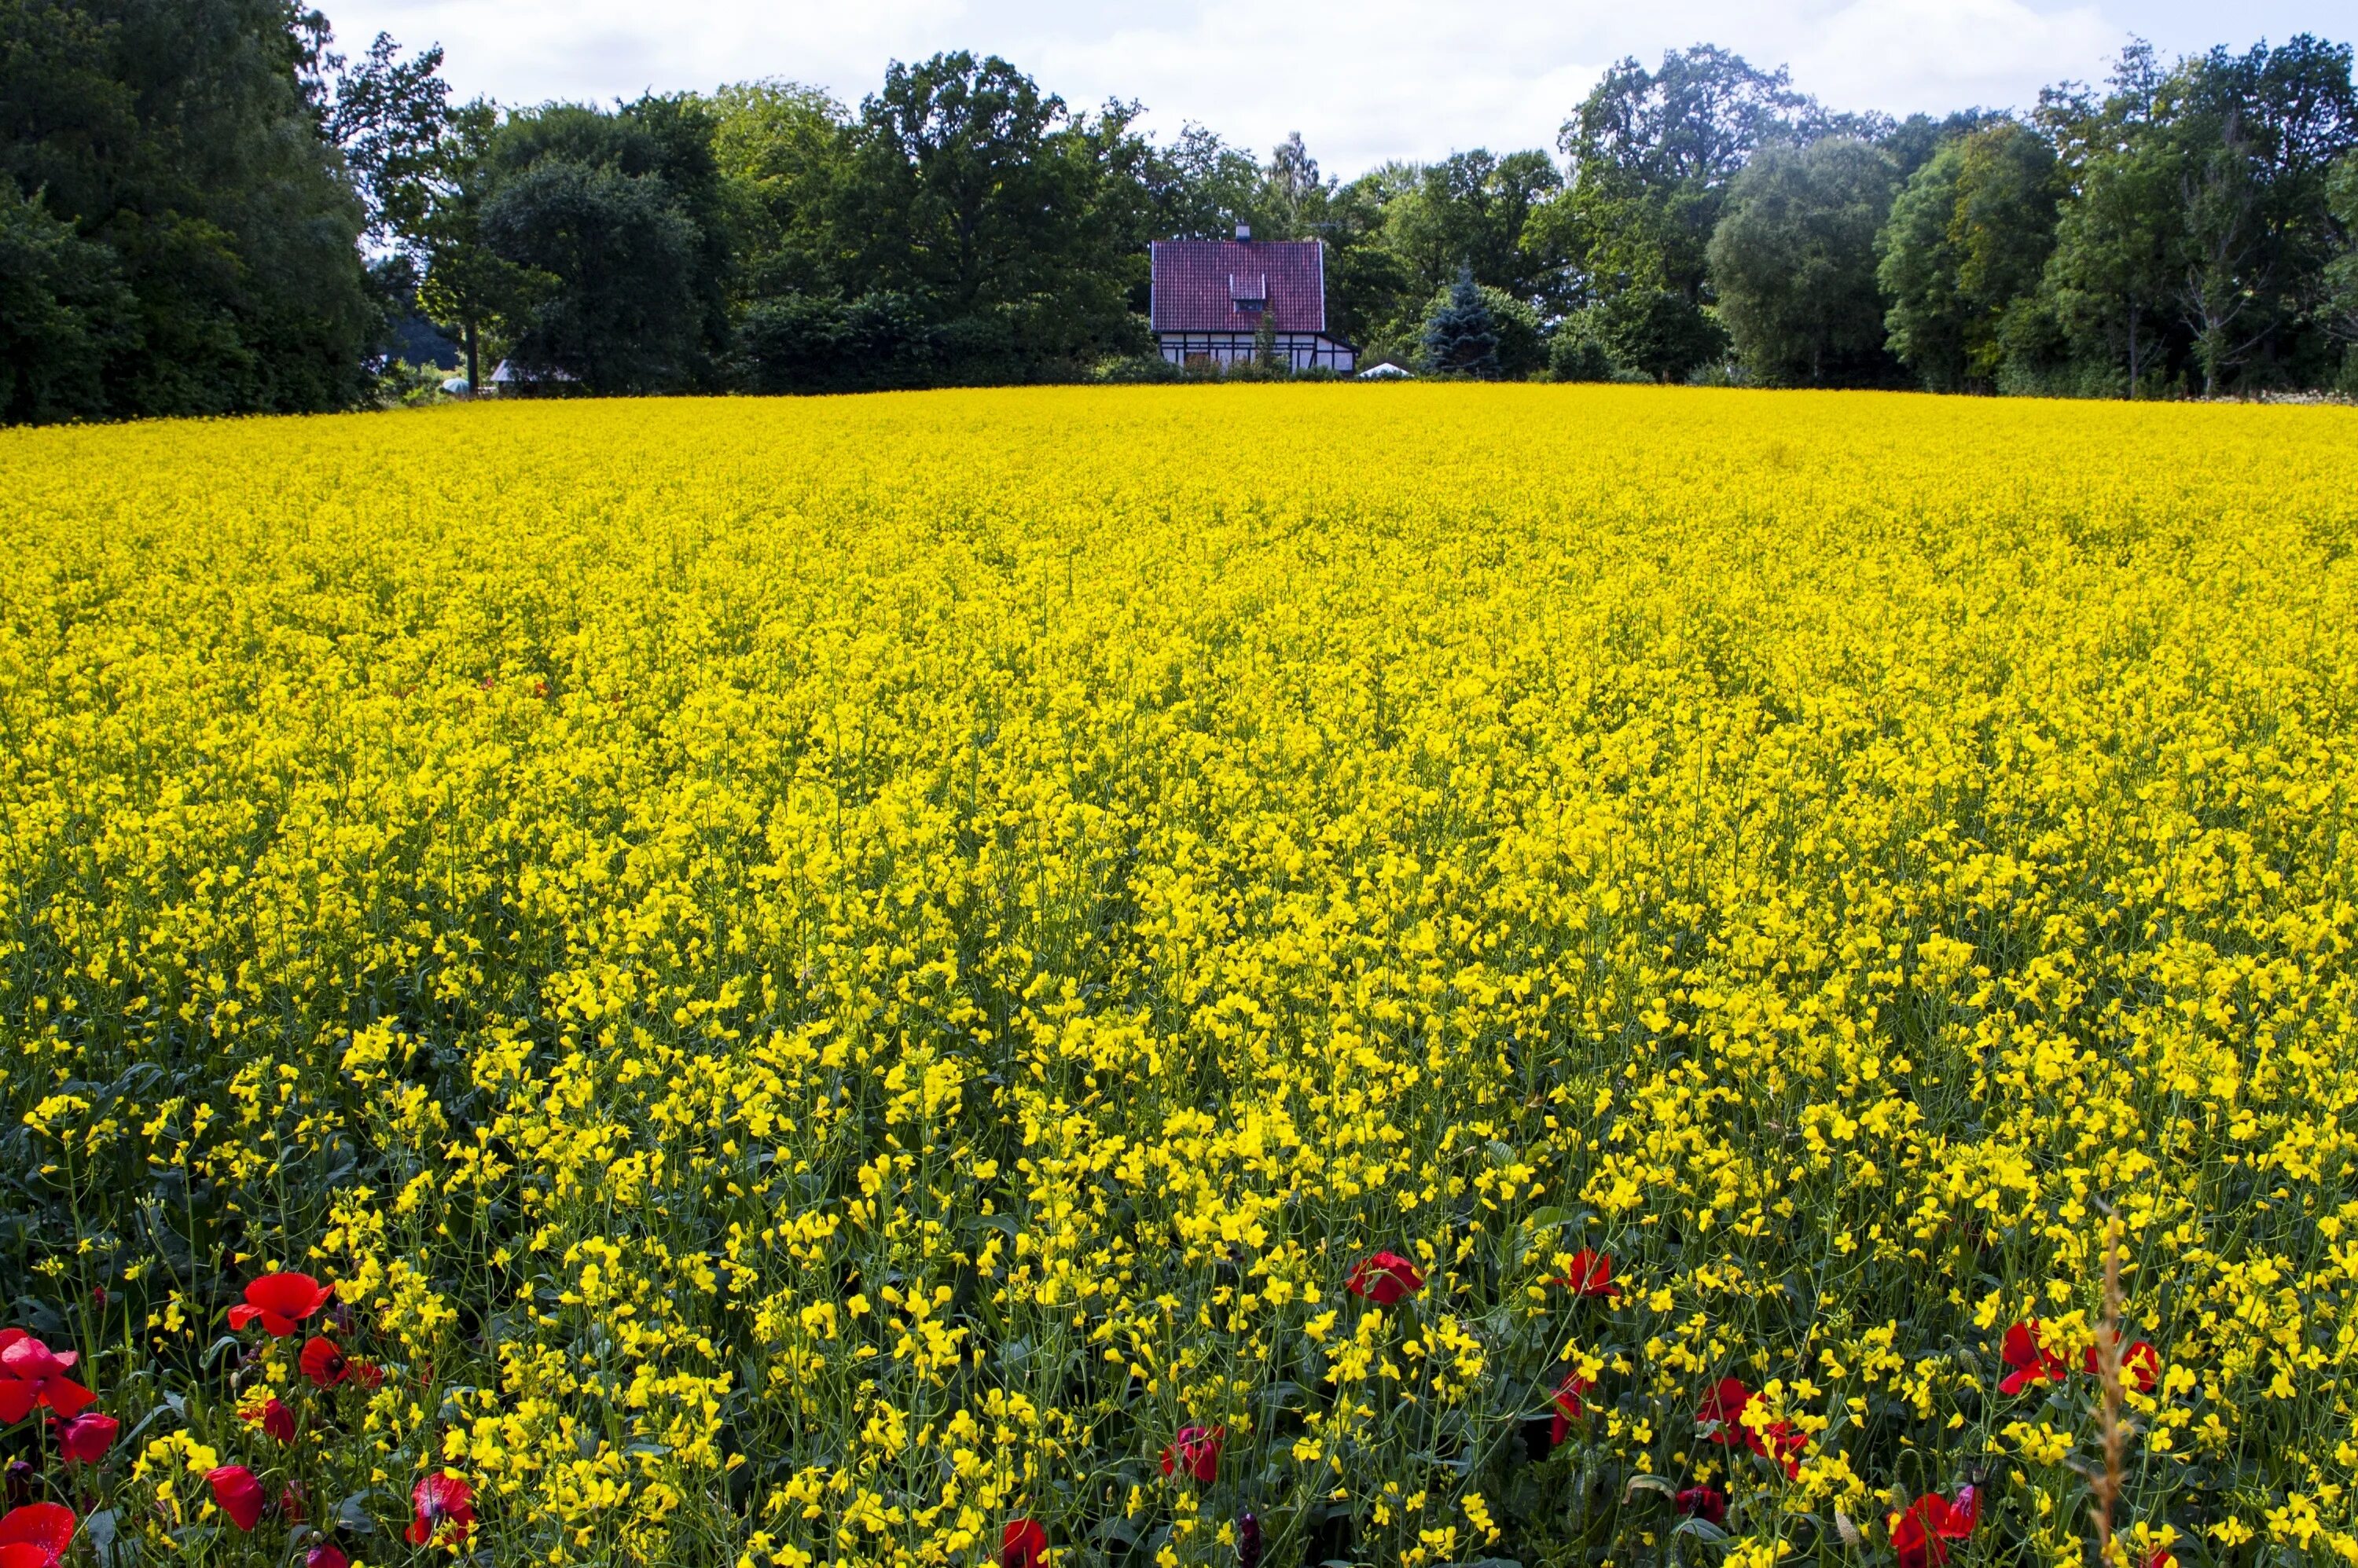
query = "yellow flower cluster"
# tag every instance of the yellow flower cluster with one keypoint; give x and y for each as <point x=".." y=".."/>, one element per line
<point x="824" y="978"/>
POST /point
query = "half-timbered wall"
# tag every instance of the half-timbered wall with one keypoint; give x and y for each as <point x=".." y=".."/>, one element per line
<point x="1302" y="350"/>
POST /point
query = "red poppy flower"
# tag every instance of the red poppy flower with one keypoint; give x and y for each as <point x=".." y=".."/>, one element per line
<point x="1568" y="1406"/>
<point x="323" y="1363"/>
<point x="1196" y="1451"/>
<point x="274" y="1418"/>
<point x="1022" y="1543"/>
<point x="1784" y="1443"/>
<point x="445" y="1507"/>
<point x="1708" y="1504"/>
<point x="1723" y="1412"/>
<point x="2028" y="1356"/>
<point x="1923" y="1534"/>
<point x="35" y="1536"/>
<point x="1384" y="1277"/>
<point x="2162" y="1558"/>
<point x="32" y="1375"/>
<point x="280" y="1301"/>
<point x="238" y="1493"/>
<point x="87" y="1437"/>
<point x="1590" y="1275"/>
<point x="325" y="1554"/>
<point x="22" y="1356"/>
<point x="2140" y="1363"/>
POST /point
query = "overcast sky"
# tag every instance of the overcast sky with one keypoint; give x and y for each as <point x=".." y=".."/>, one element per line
<point x="1363" y="81"/>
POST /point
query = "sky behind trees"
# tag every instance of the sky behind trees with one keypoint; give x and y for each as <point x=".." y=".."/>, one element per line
<point x="1362" y="80"/>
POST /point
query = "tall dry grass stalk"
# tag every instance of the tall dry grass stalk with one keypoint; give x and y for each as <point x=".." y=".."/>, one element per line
<point x="2108" y="1366"/>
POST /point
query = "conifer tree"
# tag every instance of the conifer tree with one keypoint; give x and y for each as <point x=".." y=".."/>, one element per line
<point x="1460" y="338"/>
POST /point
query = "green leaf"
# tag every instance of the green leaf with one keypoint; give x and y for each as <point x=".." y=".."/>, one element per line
<point x="1701" y="1530"/>
<point x="352" y="1514"/>
<point x="1663" y="1485"/>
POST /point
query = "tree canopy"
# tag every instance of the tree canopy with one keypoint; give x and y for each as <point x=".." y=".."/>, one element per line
<point x="209" y="208"/>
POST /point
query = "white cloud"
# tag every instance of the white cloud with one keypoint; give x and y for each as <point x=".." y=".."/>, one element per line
<point x="1898" y="55"/>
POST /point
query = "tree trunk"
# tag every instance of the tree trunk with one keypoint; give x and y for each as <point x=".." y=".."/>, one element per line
<point x="2133" y="353"/>
<point x="474" y="362"/>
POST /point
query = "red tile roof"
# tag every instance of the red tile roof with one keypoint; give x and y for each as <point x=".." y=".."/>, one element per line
<point x="1197" y="284"/>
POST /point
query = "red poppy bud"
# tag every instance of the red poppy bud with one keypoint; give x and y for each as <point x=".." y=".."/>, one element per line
<point x="275" y="1419"/>
<point x="325" y="1554"/>
<point x="1022" y="1543"/>
<point x="238" y="1493"/>
<point x="1589" y="1274"/>
<point x="1195" y="1452"/>
<point x="1708" y="1504"/>
<point x="87" y="1437"/>
<point x="1384" y="1277"/>
<point x="1568" y="1406"/>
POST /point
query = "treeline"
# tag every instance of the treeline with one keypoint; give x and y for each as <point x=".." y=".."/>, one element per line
<point x="210" y="211"/>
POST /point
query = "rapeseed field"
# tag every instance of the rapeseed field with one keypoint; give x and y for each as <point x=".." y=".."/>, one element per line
<point x="1212" y="976"/>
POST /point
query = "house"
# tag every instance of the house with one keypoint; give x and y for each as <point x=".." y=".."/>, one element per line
<point x="1212" y="296"/>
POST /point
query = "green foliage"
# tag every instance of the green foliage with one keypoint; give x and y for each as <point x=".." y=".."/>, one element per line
<point x="1473" y="210"/>
<point x="1967" y="239"/>
<point x="1518" y="341"/>
<point x="212" y="267"/>
<point x="2260" y="133"/>
<point x="1461" y="335"/>
<point x="2115" y="267"/>
<point x="1793" y="263"/>
<point x="2341" y="310"/>
<point x="2200" y="223"/>
<point x="1020" y="225"/>
<point x="191" y="183"/>
<point x="613" y="226"/>
<point x="781" y="149"/>
<point x="802" y="342"/>
<point x="1653" y="155"/>
<point x="389" y="117"/>
<point x="614" y="258"/>
<point x="64" y="312"/>
<point x="1576" y="354"/>
<point x="1658" y="332"/>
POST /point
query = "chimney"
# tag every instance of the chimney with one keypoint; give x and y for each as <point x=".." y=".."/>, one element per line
<point x="1244" y="233"/>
